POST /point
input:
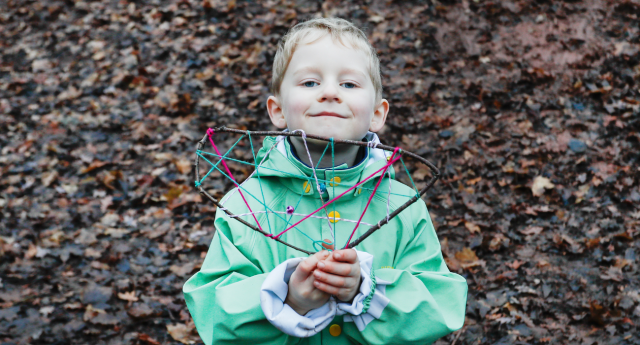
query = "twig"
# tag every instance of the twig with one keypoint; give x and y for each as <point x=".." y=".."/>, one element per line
<point x="458" y="335"/>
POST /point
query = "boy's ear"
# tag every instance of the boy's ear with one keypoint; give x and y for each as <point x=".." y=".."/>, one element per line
<point x="275" y="112"/>
<point x="379" y="116"/>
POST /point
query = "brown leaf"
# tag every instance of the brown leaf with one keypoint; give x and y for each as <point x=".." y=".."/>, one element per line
<point x="468" y="258"/>
<point x="173" y="193"/>
<point x="532" y="230"/>
<point x="183" y="165"/>
<point x="183" y="270"/>
<point x="49" y="177"/>
<point x="473" y="228"/>
<point x="182" y="333"/>
<point x="140" y="311"/>
<point x="94" y="165"/>
<point x="147" y="339"/>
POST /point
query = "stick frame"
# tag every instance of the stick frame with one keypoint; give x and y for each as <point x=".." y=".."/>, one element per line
<point x="430" y="182"/>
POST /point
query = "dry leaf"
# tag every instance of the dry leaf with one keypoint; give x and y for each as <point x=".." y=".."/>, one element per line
<point x="128" y="296"/>
<point x="49" y="177"/>
<point x="183" y="165"/>
<point x="468" y="258"/>
<point x="182" y="270"/>
<point x="540" y="184"/>
<point x="473" y="228"/>
<point x="182" y="333"/>
<point x="532" y="230"/>
<point x="143" y="337"/>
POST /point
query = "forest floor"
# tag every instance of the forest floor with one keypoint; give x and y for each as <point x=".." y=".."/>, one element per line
<point x="530" y="109"/>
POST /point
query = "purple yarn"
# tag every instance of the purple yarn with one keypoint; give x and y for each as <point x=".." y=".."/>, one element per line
<point x="290" y="210"/>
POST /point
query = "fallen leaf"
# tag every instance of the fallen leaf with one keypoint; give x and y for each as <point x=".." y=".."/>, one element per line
<point x="473" y="228"/>
<point x="532" y="230"/>
<point x="183" y="270"/>
<point x="128" y="296"/>
<point x="140" y="311"/>
<point x="183" y="165"/>
<point x="468" y="258"/>
<point x="540" y="184"/>
<point x="147" y="339"/>
<point x="182" y="333"/>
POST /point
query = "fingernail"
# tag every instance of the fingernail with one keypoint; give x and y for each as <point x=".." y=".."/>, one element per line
<point x="338" y="255"/>
<point x="321" y="264"/>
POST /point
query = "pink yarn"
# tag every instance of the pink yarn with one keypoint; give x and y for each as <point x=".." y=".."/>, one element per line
<point x="210" y="133"/>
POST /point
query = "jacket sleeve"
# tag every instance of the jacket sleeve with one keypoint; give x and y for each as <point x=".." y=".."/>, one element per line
<point x="224" y="296"/>
<point x="426" y="301"/>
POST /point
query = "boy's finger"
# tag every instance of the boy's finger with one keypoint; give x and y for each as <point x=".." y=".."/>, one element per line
<point x="334" y="280"/>
<point x="332" y="290"/>
<point x="345" y="255"/>
<point x="328" y="246"/>
<point x="337" y="268"/>
<point x="309" y="264"/>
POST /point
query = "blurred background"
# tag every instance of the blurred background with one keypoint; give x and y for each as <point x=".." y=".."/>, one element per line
<point x="529" y="108"/>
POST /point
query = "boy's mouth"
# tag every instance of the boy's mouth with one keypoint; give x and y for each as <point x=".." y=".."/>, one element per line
<point x="326" y="113"/>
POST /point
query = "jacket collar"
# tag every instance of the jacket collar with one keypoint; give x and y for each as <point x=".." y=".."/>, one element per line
<point x="299" y="178"/>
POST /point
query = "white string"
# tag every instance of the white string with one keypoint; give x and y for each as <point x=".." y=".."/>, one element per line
<point x="313" y="169"/>
<point x="389" y="194"/>
<point x="295" y="214"/>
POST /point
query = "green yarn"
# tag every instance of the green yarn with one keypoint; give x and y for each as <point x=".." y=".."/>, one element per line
<point x="367" y="301"/>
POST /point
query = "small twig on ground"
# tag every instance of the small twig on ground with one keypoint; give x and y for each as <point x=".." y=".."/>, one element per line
<point x="458" y="335"/>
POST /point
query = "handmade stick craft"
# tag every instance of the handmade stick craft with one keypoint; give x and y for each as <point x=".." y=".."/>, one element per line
<point x="396" y="155"/>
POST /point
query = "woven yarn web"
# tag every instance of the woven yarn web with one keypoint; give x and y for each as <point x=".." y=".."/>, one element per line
<point x="292" y="219"/>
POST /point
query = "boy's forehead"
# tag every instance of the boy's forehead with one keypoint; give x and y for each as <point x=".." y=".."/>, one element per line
<point x="311" y="57"/>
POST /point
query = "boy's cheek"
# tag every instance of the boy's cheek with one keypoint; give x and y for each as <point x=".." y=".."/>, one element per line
<point x="297" y="102"/>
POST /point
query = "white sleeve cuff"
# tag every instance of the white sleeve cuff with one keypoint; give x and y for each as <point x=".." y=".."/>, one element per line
<point x="368" y="303"/>
<point x="273" y="294"/>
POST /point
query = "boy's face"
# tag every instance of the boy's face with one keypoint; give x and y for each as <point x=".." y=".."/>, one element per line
<point x="327" y="91"/>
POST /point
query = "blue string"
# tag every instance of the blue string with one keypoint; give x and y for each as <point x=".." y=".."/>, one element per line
<point x="308" y="182"/>
<point x="317" y="245"/>
<point x="298" y="176"/>
<point x="198" y="183"/>
<point x="408" y="173"/>
<point x="250" y="194"/>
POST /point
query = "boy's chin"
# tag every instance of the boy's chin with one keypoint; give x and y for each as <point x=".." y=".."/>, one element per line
<point x="326" y="133"/>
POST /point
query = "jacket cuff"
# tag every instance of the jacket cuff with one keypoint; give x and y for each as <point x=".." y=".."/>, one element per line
<point x="272" y="296"/>
<point x="370" y="300"/>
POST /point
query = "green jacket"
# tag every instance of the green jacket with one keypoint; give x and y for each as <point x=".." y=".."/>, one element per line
<point x="426" y="301"/>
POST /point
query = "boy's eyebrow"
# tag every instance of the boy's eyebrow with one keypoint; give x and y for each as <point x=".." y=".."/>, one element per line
<point x="312" y="69"/>
<point x="354" y="71"/>
<point x="309" y="69"/>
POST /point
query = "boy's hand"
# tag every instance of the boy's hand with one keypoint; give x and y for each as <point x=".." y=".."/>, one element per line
<point x="339" y="275"/>
<point x="302" y="295"/>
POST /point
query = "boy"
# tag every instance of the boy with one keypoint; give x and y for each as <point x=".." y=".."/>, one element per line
<point x="394" y="289"/>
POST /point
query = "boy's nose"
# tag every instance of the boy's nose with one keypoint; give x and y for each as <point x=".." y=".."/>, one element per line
<point x="329" y="93"/>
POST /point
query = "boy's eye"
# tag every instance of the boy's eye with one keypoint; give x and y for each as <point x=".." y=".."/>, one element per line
<point x="349" y="85"/>
<point x="309" y="83"/>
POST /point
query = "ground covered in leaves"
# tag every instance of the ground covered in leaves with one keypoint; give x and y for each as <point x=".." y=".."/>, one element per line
<point x="531" y="110"/>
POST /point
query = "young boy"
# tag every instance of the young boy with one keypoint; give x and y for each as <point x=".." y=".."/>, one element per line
<point x="394" y="288"/>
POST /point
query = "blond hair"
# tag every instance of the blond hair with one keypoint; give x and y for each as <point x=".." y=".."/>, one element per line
<point x="312" y="30"/>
